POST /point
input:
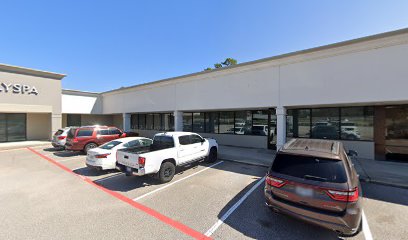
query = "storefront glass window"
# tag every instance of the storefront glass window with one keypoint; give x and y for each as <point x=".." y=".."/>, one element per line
<point x="226" y="122"/>
<point x="211" y="122"/>
<point x="259" y="123"/>
<point x="298" y="123"/>
<point x="357" y="123"/>
<point x="133" y="121"/>
<point x="243" y="122"/>
<point x="198" y="122"/>
<point x="325" y="123"/>
<point x="142" y="121"/>
<point x="168" y="122"/>
<point x="149" y="121"/>
<point x="157" y="122"/>
<point x="187" y="122"/>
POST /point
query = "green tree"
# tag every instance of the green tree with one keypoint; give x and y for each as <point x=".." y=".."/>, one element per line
<point x="228" y="62"/>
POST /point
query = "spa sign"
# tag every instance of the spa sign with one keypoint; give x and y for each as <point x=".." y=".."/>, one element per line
<point x="17" y="88"/>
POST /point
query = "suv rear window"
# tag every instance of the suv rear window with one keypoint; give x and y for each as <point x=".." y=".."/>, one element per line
<point x="85" y="133"/>
<point x="312" y="168"/>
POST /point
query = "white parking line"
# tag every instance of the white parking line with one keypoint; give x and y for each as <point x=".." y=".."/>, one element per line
<point x="366" y="228"/>
<point x="170" y="184"/>
<point x="233" y="208"/>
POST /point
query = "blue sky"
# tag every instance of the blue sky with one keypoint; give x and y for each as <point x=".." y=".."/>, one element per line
<point x="103" y="45"/>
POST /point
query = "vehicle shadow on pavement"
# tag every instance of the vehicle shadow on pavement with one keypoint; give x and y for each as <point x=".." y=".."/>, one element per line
<point x="68" y="154"/>
<point x="253" y="219"/>
<point x="123" y="183"/>
<point x="51" y="149"/>
<point x="385" y="193"/>
<point x="90" y="172"/>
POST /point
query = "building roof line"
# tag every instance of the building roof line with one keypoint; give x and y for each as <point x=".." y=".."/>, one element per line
<point x="30" y="71"/>
<point x="68" y="91"/>
<point x="281" y="56"/>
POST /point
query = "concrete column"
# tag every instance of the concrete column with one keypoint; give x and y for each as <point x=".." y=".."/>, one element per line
<point x="178" y="121"/>
<point x="56" y="123"/>
<point x="126" y="121"/>
<point x="281" y="127"/>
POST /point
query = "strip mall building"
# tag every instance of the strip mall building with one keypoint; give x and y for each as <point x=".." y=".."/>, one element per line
<point x="354" y="91"/>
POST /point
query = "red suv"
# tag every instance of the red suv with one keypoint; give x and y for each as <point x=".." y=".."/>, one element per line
<point x="85" y="138"/>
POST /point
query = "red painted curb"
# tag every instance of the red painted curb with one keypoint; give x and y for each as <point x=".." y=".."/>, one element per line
<point x="179" y="226"/>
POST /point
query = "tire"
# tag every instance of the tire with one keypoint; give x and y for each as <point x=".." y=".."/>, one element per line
<point x="212" y="156"/>
<point x="89" y="146"/>
<point x="166" y="172"/>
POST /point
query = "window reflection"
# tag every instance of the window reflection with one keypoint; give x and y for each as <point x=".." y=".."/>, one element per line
<point x="187" y="122"/>
<point x="349" y="123"/>
<point x="211" y="122"/>
<point x="198" y="122"/>
<point x="357" y="123"/>
<point x="226" y="122"/>
<point x="325" y="123"/>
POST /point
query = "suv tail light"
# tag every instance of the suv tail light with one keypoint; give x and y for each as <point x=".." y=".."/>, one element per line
<point x="102" y="155"/>
<point x="275" y="182"/>
<point x="61" y="137"/>
<point x="344" y="196"/>
<point x="142" y="161"/>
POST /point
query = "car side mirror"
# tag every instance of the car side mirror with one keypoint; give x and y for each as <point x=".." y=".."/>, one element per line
<point x="202" y="140"/>
<point x="352" y="153"/>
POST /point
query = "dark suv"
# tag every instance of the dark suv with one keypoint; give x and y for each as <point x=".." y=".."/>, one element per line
<point x="315" y="181"/>
<point x="88" y="137"/>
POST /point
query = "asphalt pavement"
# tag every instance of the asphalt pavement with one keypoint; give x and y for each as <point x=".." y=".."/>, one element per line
<point x="49" y="194"/>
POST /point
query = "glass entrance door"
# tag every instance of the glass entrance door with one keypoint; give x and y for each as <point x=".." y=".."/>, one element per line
<point x="272" y="129"/>
<point x="396" y="132"/>
<point x="12" y="127"/>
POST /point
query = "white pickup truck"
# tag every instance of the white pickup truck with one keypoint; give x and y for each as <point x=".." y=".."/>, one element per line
<point x="168" y="150"/>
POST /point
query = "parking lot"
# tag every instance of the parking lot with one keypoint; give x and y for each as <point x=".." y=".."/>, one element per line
<point x="49" y="194"/>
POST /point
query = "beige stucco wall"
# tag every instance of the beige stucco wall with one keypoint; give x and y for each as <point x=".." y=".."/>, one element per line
<point x="369" y="72"/>
<point x="46" y="103"/>
<point x="38" y="126"/>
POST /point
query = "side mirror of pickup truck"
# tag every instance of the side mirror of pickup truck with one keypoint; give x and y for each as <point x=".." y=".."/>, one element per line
<point x="203" y="140"/>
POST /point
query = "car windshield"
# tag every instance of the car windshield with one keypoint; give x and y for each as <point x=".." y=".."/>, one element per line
<point x="110" y="145"/>
<point x="312" y="168"/>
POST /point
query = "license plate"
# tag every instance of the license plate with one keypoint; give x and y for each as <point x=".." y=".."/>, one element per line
<point x="305" y="192"/>
<point x="128" y="169"/>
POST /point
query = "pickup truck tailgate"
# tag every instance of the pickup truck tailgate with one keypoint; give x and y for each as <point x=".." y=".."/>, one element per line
<point x="127" y="159"/>
<point x="130" y="157"/>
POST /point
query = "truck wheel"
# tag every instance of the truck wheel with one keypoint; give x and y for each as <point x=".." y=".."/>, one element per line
<point x="89" y="146"/>
<point x="212" y="156"/>
<point x="166" y="172"/>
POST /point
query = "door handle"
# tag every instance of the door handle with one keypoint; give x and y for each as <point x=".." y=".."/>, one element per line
<point x="181" y="150"/>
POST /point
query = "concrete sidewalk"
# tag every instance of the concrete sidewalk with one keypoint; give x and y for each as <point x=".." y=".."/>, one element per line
<point x="380" y="172"/>
<point x="22" y="144"/>
<point x="253" y="156"/>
